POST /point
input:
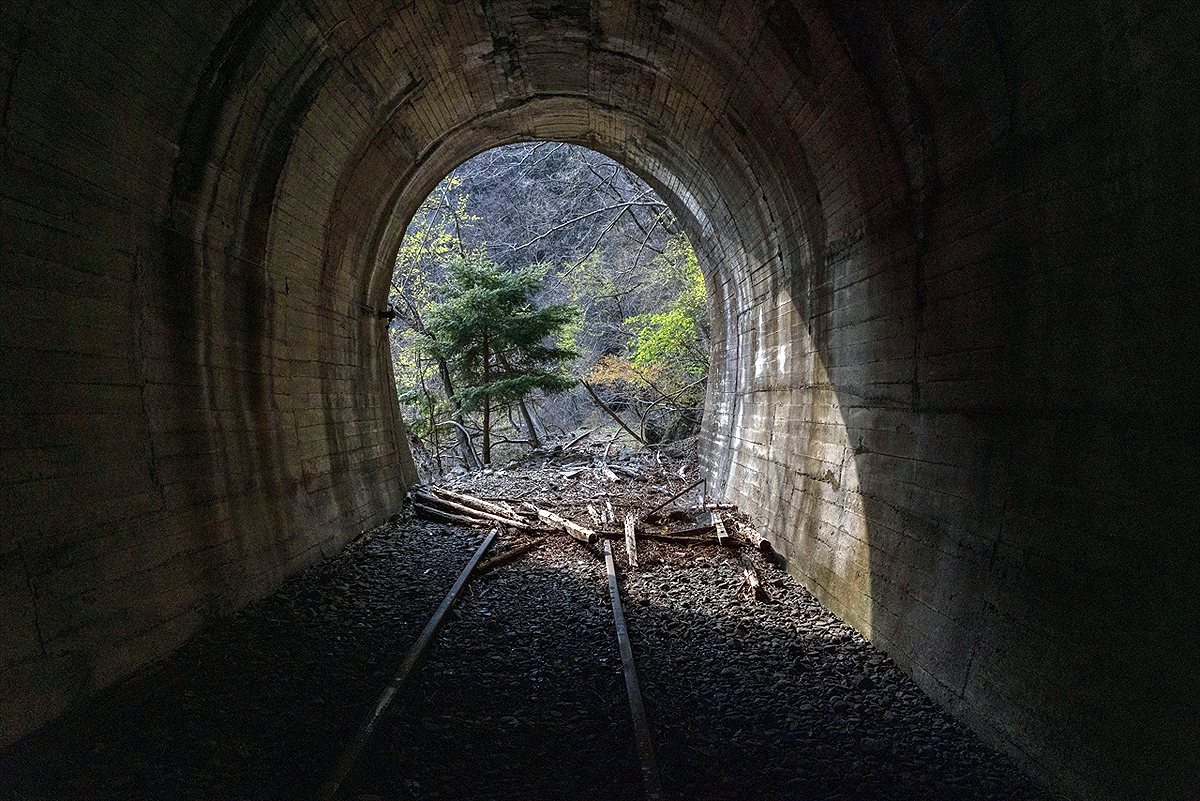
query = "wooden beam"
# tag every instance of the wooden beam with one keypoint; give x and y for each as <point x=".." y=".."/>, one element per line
<point x="630" y="541"/>
<point x="719" y="525"/>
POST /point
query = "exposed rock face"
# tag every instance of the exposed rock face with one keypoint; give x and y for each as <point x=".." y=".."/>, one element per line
<point x="950" y="252"/>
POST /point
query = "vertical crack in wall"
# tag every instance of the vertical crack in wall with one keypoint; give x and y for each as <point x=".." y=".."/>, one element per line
<point x="17" y="57"/>
<point x="33" y="600"/>
<point x="141" y="358"/>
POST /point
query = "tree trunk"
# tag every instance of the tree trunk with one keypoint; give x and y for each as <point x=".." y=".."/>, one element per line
<point x="487" y="405"/>
<point x="437" y="449"/>
<point x="487" y="431"/>
<point x="464" y="445"/>
<point x="534" y="441"/>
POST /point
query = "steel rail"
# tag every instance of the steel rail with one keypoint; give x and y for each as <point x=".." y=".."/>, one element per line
<point x="412" y="661"/>
<point x="641" y="729"/>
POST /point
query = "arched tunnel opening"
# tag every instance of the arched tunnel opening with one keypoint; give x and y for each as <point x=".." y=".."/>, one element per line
<point x="950" y="265"/>
<point x="603" y="267"/>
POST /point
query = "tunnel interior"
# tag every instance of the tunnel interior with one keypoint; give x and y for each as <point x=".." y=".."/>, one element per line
<point x="950" y="263"/>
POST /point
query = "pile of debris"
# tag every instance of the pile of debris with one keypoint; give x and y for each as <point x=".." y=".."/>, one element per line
<point x="525" y="525"/>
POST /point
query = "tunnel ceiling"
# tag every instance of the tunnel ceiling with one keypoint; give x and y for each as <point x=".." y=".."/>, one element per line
<point x="945" y="256"/>
<point x="373" y="106"/>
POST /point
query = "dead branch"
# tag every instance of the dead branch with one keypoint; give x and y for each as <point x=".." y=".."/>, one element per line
<point x="673" y="497"/>
<point x="610" y="412"/>
<point x="576" y="440"/>
<point x="585" y="215"/>
<point x="509" y="555"/>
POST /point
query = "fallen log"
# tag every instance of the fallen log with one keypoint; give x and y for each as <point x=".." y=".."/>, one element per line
<point x="751" y="581"/>
<point x="476" y="503"/>
<point x="442" y="516"/>
<point x="585" y="535"/>
<point x="478" y="515"/>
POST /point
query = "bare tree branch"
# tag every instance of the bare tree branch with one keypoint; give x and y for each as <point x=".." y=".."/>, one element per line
<point x="592" y="213"/>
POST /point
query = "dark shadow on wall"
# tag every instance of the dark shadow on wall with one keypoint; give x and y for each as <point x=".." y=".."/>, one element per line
<point x="1012" y="518"/>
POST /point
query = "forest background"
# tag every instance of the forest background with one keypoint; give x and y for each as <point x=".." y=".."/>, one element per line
<point x="562" y="233"/>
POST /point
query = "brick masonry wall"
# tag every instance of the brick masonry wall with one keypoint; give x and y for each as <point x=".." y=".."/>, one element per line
<point x="950" y="262"/>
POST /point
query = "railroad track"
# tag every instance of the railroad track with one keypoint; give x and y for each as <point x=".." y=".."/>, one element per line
<point x="370" y="759"/>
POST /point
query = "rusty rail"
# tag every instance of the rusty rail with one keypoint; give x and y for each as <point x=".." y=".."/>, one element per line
<point x="641" y="729"/>
<point x="412" y="661"/>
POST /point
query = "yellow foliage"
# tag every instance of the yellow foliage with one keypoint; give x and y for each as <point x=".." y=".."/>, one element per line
<point x="615" y="369"/>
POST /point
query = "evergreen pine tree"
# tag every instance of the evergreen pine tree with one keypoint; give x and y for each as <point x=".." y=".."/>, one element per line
<point x="486" y="328"/>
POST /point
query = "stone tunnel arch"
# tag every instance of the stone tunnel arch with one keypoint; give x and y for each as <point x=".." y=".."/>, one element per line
<point x="935" y="251"/>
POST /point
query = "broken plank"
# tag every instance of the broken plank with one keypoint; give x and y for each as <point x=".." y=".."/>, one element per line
<point x="630" y="541"/>
<point x="719" y="525"/>
<point x="751" y="580"/>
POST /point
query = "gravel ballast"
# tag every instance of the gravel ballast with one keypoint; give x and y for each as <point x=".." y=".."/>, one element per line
<point x="522" y="695"/>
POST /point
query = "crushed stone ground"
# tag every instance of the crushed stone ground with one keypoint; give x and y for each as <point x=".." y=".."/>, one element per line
<point x="522" y="696"/>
